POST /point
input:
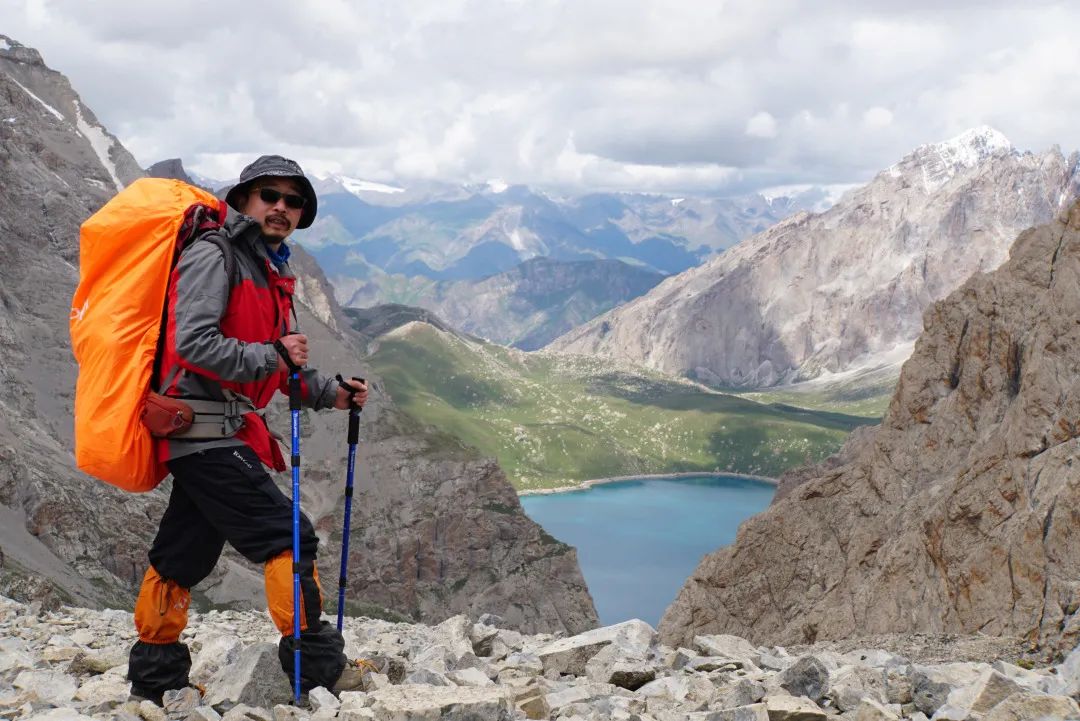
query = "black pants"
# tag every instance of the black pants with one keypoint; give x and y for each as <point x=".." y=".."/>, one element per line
<point x="225" y="494"/>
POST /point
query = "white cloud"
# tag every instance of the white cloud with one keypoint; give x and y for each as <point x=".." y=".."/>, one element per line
<point x="762" y="125"/>
<point x="564" y="93"/>
<point x="878" y="117"/>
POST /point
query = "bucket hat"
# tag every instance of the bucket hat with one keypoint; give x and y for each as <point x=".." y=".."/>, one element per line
<point x="277" y="167"/>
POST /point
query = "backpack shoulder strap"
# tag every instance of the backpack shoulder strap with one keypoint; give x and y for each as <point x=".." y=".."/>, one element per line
<point x="227" y="251"/>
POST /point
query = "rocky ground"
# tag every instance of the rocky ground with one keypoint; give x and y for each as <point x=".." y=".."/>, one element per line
<point x="71" y="664"/>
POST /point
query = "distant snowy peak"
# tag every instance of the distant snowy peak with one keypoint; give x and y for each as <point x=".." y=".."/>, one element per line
<point x="357" y="186"/>
<point x="938" y="163"/>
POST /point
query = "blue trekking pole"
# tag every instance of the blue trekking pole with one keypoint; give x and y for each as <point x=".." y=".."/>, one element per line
<point x="353" y="438"/>
<point x="294" y="409"/>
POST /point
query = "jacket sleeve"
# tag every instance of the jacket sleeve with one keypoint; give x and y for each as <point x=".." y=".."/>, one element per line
<point x="319" y="391"/>
<point x="201" y="296"/>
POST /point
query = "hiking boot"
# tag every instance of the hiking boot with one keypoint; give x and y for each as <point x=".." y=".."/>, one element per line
<point x="356" y="676"/>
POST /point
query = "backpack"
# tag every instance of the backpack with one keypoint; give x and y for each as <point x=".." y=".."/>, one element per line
<point x="127" y="251"/>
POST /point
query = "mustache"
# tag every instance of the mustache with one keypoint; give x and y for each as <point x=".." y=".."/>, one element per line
<point x="280" y="216"/>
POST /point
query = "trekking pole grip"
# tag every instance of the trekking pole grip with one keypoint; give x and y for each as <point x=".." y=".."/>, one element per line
<point x="354" y="410"/>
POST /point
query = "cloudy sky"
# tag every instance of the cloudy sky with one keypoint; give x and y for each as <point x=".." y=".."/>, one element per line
<point x="680" y="96"/>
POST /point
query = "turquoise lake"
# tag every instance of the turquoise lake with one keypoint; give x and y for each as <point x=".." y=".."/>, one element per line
<point x="639" y="540"/>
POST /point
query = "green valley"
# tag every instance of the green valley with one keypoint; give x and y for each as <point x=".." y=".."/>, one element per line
<point x="553" y="420"/>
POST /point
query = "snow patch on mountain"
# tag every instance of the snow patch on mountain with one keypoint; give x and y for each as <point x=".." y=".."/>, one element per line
<point x="939" y="163"/>
<point x="100" y="142"/>
<point x="356" y="185"/>
<point x="53" y="111"/>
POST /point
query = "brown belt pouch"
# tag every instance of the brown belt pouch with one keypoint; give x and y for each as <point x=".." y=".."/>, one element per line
<point x="165" y="416"/>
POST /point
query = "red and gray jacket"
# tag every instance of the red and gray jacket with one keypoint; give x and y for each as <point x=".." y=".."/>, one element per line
<point x="219" y="334"/>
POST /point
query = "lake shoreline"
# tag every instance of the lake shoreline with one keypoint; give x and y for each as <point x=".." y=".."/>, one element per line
<point x="585" y="485"/>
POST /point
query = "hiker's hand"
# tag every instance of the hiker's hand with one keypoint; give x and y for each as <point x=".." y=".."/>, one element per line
<point x="296" y="345"/>
<point x="359" y="397"/>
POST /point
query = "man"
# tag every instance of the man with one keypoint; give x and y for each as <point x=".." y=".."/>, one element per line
<point x="232" y="340"/>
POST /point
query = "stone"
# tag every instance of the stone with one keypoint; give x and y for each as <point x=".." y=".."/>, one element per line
<point x="792" y="708"/>
<point x="97" y="661"/>
<point x="899" y="688"/>
<point x="150" y="711"/>
<point x="181" y="701"/>
<point x="681" y="657"/>
<point x="425" y="703"/>
<point x="470" y="677"/>
<point x="255" y="679"/>
<point x="216" y="653"/>
<point x="612" y="665"/>
<point x="103" y="689"/>
<point x="434" y="658"/>
<point x="850" y="685"/>
<point x="362" y="714"/>
<point x="988" y="691"/>
<point x="740" y="693"/>
<point x="532" y="701"/>
<point x="57" y="714"/>
<point x="52" y="687"/>
<point x="753" y="712"/>
<point x="15" y="660"/>
<point x="707" y="664"/>
<point x="523" y="661"/>
<point x="576" y="694"/>
<point x="243" y="712"/>
<point x="727" y="646"/>
<point x="873" y="657"/>
<point x="203" y="713"/>
<point x="1025" y="706"/>
<point x="427" y="677"/>
<point x="60" y="653"/>
<point x="320" y="698"/>
<point x="807" y="677"/>
<point x="1068" y="671"/>
<point x="1032" y="680"/>
<point x="871" y="710"/>
<point x="932" y="685"/>
<point x="82" y="637"/>
<point x="570" y="655"/>
<point x="457" y="632"/>
<point x="283" y="712"/>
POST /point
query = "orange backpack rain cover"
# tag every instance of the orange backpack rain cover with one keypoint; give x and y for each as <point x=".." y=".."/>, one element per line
<point x="126" y="254"/>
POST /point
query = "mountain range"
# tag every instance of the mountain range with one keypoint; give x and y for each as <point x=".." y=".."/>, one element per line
<point x="464" y="232"/>
<point x="826" y="293"/>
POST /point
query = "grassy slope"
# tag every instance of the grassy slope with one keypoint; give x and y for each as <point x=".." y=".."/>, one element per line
<point x="555" y="420"/>
<point x="864" y="394"/>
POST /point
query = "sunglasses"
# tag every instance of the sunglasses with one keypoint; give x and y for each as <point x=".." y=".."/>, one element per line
<point x="271" y="197"/>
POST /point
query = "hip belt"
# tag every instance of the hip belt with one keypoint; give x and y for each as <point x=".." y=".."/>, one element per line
<point x="195" y="419"/>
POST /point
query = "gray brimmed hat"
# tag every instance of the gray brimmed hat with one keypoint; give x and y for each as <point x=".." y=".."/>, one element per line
<point x="278" y="167"/>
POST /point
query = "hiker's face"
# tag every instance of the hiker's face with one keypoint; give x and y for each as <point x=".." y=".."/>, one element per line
<point x="273" y="210"/>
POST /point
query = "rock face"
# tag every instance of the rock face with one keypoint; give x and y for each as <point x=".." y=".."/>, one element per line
<point x="171" y="168"/>
<point x="526" y="307"/>
<point x="846" y="288"/>
<point x="435" y="530"/>
<point x="71" y="664"/>
<point x="959" y="513"/>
